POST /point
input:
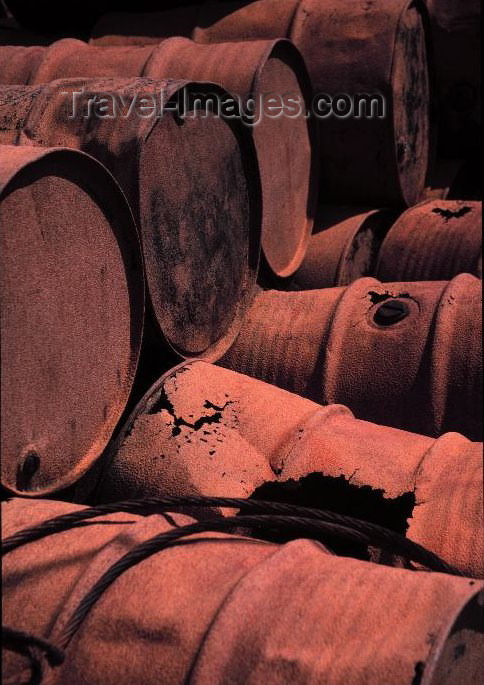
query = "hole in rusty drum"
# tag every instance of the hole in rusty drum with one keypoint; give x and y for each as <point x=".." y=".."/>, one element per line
<point x="27" y="470"/>
<point x="391" y="312"/>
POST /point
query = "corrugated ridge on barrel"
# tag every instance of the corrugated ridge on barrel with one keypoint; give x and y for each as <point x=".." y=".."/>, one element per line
<point x="224" y="434"/>
<point x="69" y="58"/>
<point x="372" y="347"/>
<point x="72" y="314"/>
<point x="279" y="342"/>
<point x="17" y="63"/>
<point x="434" y="240"/>
<point x="256" y="68"/>
<point x="247" y="622"/>
<point x="348" y="48"/>
<point x="73" y="58"/>
<point x="449" y="502"/>
<point x="456" y="372"/>
<point x="194" y="190"/>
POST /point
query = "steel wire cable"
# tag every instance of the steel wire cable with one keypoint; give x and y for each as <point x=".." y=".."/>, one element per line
<point x="267" y="516"/>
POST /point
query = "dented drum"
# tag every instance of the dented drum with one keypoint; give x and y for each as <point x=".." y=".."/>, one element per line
<point x="401" y="354"/>
<point x="210" y="431"/>
<point x="193" y="185"/>
<point x="18" y="63"/>
<point x="72" y="314"/>
<point x="268" y="614"/>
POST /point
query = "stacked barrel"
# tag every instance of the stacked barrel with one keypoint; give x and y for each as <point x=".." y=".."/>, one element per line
<point x="241" y="358"/>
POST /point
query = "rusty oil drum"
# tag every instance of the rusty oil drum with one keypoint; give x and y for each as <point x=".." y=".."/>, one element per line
<point x="433" y="241"/>
<point x="249" y="70"/>
<point x="344" y="246"/>
<point x="407" y="354"/>
<point x="206" y="430"/>
<point x="72" y="314"/>
<point x="377" y="47"/>
<point x="269" y="613"/>
<point x="200" y="224"/>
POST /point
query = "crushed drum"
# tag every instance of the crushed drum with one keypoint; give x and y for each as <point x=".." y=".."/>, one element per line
<point x="248" y="620"/>
<point x="206" y="430"/>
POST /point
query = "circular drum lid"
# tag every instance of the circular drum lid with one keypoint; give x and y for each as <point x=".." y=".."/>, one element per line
<point x="201" y="223"/>
<point x="72" y="305"/>
<point x="287" y="154"/>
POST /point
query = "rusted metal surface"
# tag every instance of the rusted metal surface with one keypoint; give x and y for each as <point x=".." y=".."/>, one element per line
<point x="252" y="69"/>
<point x="433" y="241"/>
<point x="377" y="47"/>
<point x="348" y="48"/>
<point x="247" y="625"/>
<point x="381" y="432"/>
<point x="206" y="430"/>
<point x="194" y="190"/>
<point x="72" y="314"/>
<point x="17" y="63"/>
<point x="401" y="354"/>
<point x="344" y="246"/>
<point x="288" y="175"/>
<point x="68" y="58"/>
